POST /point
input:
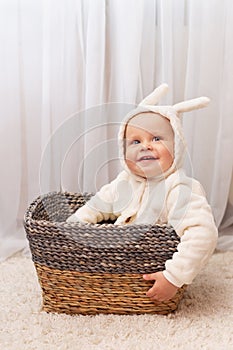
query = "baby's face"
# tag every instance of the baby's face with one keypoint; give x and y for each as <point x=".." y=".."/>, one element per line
<point x="149" y="145"/>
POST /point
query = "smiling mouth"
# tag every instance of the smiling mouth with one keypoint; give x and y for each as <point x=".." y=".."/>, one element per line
<point x="147" y="158"/>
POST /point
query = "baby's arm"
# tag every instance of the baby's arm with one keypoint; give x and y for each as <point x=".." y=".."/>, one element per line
<point x="97" y="209"/>
<point x="88" y="214"/>
<point x="191" y="217"/>
<point x="100" y="206"/>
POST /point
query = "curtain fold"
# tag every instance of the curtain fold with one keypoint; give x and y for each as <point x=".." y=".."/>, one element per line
<point x="70" y="71"/>
<point x="209" y="132"/>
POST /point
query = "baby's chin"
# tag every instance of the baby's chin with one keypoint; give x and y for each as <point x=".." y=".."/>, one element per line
<point x="147" y="170"/>
<point x="147" y="173"/>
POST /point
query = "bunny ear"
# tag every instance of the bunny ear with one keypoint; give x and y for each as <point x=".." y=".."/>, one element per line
<point x="190" y="105"/>
<point x="155" y="96"/>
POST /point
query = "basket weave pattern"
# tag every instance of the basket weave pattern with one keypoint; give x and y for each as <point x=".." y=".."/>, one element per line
<point x="90" y="269"/>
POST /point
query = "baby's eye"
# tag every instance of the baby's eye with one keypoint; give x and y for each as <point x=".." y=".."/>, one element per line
<point x="135" y="142"/>
<point x="156" y="138"/>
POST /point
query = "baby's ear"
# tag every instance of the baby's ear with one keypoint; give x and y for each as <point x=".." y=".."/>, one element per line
<point x="190" y="105"/>
<point x="155" y="96"/>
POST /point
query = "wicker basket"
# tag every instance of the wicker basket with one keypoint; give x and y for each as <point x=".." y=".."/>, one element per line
<point x="90" y="269"/>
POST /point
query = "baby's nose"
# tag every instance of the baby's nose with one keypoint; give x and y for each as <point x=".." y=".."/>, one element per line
<point x="147" y="145"/>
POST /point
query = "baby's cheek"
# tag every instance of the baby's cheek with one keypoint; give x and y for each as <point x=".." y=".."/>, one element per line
<point x="130" y="164"/>
<point x="166" y="162"/>
<point x="135" y="169"/>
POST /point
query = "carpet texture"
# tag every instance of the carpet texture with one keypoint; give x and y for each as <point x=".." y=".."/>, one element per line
<point x="204" y="319"/>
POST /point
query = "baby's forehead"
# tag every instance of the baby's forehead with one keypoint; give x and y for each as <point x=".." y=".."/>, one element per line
<point x="144" y="117"/>
<point x="149" y="121"/>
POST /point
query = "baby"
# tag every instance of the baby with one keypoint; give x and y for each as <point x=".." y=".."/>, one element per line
<point x="153" y="189"/>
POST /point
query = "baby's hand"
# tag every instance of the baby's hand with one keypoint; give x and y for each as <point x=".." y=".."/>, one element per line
<point x="162" y="289"/>
<point x="84" y="215"/>
<point x="72" y="218"/>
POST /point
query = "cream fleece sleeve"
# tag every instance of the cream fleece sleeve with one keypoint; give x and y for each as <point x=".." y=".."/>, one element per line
<point x="100" y="206"/>
<point x="191" y="216"/>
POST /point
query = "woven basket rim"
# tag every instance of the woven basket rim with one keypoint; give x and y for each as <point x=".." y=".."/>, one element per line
<point x="30" y="210"/>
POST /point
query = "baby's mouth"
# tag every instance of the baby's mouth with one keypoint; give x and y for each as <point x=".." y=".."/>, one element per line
<point x="147" y="158"/>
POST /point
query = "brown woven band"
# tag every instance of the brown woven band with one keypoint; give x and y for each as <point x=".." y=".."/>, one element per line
<point x="75" y="292"/>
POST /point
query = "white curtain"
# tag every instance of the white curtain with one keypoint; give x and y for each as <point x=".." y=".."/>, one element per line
<point x="71" y="69"/>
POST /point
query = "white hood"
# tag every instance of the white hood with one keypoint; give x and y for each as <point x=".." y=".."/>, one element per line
<point x="173" y="114"/>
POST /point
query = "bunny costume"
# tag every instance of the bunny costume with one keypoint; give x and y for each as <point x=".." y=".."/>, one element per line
<point x="169" y="198"/>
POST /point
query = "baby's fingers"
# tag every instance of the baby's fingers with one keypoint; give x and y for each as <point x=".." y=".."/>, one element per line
<point x="151" y="292"/>
<point x="150" y="276"/>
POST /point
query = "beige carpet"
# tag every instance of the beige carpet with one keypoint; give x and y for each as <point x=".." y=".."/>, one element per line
<point x="204" y="319"/>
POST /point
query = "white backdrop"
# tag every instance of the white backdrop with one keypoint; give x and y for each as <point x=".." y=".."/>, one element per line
<point x="59" y="59"/>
